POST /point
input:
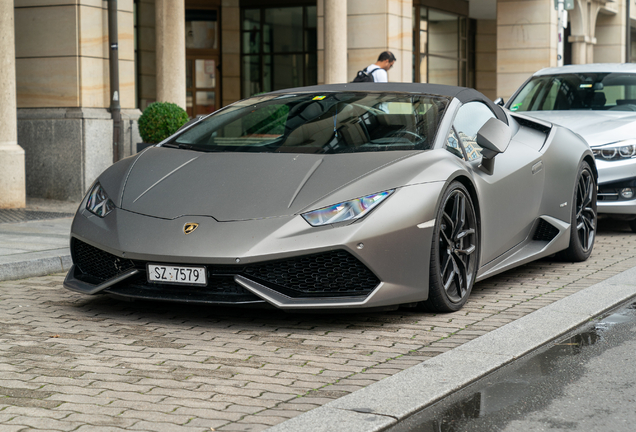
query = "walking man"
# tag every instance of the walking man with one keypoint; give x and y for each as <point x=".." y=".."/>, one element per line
<point x="379" y="69"/>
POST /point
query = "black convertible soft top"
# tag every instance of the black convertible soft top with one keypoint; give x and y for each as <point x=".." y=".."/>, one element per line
<point x="463" y="94"/>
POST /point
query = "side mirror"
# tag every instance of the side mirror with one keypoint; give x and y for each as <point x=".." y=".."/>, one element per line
<point x="493" y="138"/>
<point x="499" y="101"/>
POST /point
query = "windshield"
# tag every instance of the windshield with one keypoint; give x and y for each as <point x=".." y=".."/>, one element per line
<point x="319" y="123"/>
<point x="578" y="91"/>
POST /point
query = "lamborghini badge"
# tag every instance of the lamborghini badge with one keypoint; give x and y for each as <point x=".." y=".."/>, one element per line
<point x="189" y="227"/>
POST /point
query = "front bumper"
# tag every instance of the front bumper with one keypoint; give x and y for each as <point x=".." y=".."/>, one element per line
<point x="613" y="176"/>
<point x="381" y="260"/>
<point x="610" y="200"/>
<point x="308" y="279"/>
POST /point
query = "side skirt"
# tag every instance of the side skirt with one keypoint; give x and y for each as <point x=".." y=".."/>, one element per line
<point x="529" y="249"/>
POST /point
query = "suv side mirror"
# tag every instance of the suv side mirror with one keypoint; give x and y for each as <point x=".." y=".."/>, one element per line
<point x="493" y="138"/>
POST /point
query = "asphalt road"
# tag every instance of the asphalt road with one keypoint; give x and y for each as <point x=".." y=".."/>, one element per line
<point x="584" y="382"/>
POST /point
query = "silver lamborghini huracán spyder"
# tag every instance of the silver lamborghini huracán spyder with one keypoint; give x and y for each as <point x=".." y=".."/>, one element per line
<point x="338" y="196"/>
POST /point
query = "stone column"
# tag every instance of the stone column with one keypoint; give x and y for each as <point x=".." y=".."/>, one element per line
<point x="583" y="29"/>
<point x="610" y="26"/>
<point x="171" y="58"/>
<point x="526" y="41"/>
<point x="335" y="41"/>
<point x="12" y="183"/>
<point x="486" y="58"/>
<point x="579" y="49"/>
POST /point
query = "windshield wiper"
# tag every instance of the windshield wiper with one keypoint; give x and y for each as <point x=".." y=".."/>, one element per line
<point x="181" y="146"/>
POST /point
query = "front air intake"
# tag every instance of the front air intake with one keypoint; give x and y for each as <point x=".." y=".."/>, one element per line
<point x="335" y="273"/>
<point x="97" y="263"/>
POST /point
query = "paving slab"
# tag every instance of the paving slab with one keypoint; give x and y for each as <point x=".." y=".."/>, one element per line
<point x="243" y="369"/>
<point x="411" y="390"/>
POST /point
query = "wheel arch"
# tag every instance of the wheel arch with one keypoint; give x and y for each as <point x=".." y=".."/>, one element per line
<point x="468" y="184"/>
<point x="590" y="161"/>
<point x="581" y="243"/>
<point x="439" y="298"/>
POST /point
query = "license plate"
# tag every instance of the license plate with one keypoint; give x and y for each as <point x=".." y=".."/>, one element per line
<point x="177" y="274"/>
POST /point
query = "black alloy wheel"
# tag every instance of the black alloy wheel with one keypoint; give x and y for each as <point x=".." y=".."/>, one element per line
<point x="584" y="217"/>
<point x="454" y="251"/>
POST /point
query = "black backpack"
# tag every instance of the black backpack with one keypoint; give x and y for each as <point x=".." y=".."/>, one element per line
<point x="364" y="76"/>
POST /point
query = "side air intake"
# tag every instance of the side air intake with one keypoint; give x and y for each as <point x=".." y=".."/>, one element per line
<point x="545" y="231"/>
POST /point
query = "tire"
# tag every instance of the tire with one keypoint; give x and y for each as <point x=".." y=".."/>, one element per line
<point x="584" y="217"/>
<point x="454" y="251"/>
<point x="632" y="225"/>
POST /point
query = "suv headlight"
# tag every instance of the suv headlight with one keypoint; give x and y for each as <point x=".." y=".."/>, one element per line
<point x="346" y="211"/>
<point x="616" y="151"/>
<point x="98" y="202"/>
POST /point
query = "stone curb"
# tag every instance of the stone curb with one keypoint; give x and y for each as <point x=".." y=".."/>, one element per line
<point x="36" y="264"/>
<point x="385" y="403"/>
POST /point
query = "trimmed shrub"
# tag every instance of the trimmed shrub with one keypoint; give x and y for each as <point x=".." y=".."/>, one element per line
<point x="160" y="120"/>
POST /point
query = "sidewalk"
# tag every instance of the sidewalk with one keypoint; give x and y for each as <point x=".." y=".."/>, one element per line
<point x="34" y="241"/>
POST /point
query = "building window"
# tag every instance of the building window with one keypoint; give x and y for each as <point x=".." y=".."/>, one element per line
<point x="440" y="47"/>
<point x="202" y="61"/>
<point x="278" y="48"/>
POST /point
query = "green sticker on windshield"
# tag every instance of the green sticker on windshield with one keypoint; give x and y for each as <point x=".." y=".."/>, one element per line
<point x="515" y="107"/>
<point x="319" y="97"/>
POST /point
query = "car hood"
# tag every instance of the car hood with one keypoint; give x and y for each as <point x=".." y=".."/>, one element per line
<point x="169" y="183"/>
<point x="597" y="127"/>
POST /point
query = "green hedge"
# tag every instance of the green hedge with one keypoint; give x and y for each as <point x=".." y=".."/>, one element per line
<point x="160" y="120"/>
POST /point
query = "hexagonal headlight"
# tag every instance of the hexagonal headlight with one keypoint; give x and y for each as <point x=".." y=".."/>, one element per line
<point x="346" y="211"/>
<point x="98" y="202"/>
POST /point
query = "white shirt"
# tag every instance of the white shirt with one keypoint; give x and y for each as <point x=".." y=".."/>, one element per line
<point x="379" y="74"/>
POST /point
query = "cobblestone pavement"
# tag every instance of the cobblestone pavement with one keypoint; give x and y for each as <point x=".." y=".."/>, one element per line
<point x="70" y="362"/>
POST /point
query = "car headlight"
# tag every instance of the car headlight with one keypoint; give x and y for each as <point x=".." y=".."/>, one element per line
<point x="346" y="211"/>
<point x="98" y="202"/>
<point x="616" y="151"/>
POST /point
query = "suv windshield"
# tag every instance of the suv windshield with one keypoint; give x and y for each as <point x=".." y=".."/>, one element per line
<point x="578" y="91"/>
<point x="319" y="123"/>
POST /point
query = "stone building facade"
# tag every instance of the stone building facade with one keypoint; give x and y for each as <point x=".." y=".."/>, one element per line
<point x="56" y="129"/>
